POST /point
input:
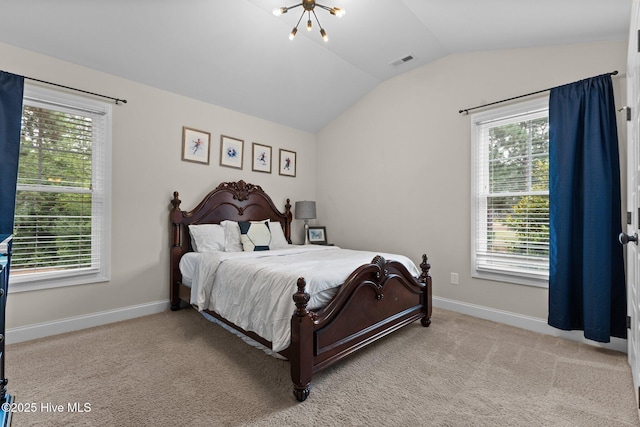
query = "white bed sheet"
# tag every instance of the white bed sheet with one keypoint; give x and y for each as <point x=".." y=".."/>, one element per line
<point x="254" y="290"/>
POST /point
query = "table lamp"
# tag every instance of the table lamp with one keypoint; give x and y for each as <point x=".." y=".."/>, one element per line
<point x="305" y="210"/>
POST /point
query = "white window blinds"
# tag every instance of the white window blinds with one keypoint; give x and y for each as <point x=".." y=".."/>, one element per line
<point x="511" y="194"/>
<point x="62" y="201"/>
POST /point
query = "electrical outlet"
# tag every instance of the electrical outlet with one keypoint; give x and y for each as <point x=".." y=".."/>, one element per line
<point x="454" y="278"/>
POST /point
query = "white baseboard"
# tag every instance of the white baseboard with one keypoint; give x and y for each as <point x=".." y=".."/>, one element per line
<point x="40" y="330"/>
<point x="534" y="324"/>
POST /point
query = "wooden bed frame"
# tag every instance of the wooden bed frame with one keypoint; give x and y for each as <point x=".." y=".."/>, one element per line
<point x="375" y="300"/>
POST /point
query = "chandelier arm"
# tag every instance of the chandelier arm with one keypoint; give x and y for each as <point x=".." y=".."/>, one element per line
<point x="316" y="16"/>
<point x="321" y="6"/>
<point x="294" y="6"/>
<point x="301" y="18"/>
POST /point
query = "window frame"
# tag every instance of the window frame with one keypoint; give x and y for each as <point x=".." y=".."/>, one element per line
<point x="75" y="104"/>
<point x="497" y="114"/>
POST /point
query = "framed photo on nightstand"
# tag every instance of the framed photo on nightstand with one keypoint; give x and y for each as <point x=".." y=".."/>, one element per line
<point x="317" y="235"/>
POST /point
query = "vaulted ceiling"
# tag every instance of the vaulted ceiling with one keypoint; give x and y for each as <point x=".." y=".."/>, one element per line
<point x="237" y="54"/>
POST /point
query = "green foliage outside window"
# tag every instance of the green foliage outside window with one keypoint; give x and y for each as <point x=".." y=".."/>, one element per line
<point x="53" y="208"/>
<point x="518" y="203"/>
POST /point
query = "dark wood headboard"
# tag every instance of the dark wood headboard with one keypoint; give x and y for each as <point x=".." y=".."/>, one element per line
<point x="236" y="201"/>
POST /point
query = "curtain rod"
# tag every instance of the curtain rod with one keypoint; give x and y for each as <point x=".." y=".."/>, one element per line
<point x="466" y="110"/>
<point x="117" y="100"/>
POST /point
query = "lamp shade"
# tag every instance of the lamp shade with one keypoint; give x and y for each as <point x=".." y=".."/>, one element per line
<point x="305" y="210"/>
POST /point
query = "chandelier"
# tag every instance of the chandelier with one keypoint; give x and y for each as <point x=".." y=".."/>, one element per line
<point x="309" y="8"/>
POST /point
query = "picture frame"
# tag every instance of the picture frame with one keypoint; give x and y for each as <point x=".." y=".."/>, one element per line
<point x="261" y="155"/>
<point x="231" y="151"/>
<point x="317" y="235"/>
<point x="287" y="163"/>
<point x="196" y="145"/>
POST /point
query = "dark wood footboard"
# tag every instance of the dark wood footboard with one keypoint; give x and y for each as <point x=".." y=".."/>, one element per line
<point x="377" y="299"/>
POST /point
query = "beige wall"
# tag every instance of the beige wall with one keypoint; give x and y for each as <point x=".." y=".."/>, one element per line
<point x="147" y="168"/>
<point x="394" y="170"/>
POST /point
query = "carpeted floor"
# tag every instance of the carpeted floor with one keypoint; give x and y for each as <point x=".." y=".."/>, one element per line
<point x="177" y="369"/>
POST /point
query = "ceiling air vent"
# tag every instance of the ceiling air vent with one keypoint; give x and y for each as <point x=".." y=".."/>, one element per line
<point x="402" y="60"/>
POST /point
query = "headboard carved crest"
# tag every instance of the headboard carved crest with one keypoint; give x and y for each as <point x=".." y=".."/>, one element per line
<point x="240" y="189"/>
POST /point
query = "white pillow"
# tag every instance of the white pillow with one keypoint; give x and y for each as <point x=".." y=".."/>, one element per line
<point x="207" y="237"/>
<point x="278" y="241"/>
<point x="231" y="236"/>
<point x="255" y="235"/>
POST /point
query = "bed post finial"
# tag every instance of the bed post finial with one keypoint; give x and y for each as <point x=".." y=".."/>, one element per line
<point x="176" y="202"/>
<point x="301" y="298"/>
<point x="425" y="278"/>
<point x="176" y="218"/>
<point x="301" y="344"/>
<point x="287" y="226"/>
<point x="425" y="267"/>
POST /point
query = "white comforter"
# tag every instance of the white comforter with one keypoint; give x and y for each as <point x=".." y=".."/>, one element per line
<point x="254" y="290"/>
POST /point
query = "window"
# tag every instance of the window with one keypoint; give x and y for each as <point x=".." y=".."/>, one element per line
<point x="510" y="220"/>
<point x="61" y="234"/>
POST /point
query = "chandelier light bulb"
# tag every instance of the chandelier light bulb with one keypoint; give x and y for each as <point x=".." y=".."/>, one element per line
<point x="293" y="33"/>
<point x="309" y="25"/>
<point x="337" y="12"/>
<point x="323" y="33"/>
<point x="279" y="11"/>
